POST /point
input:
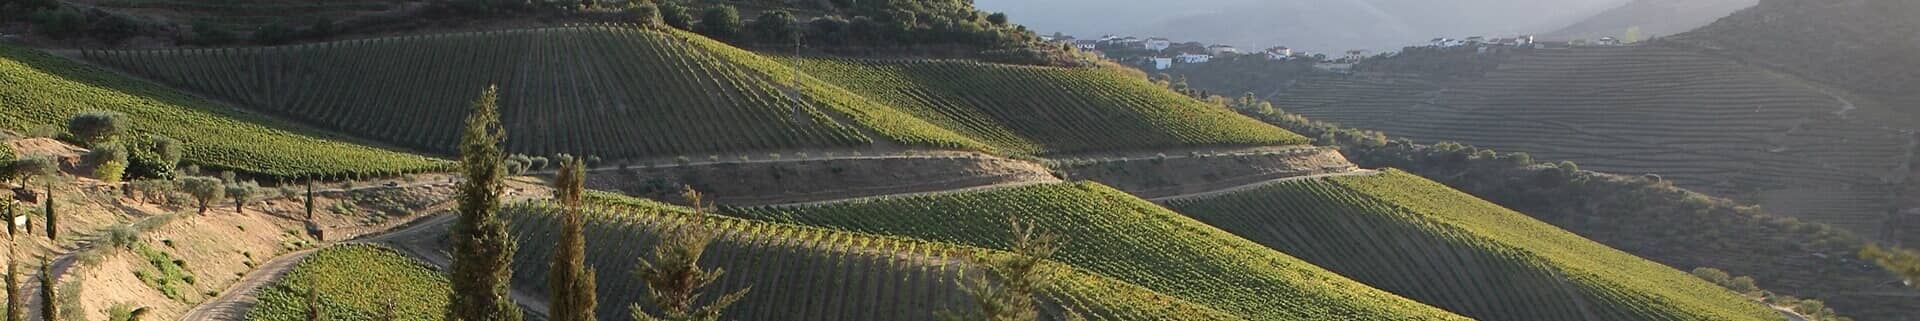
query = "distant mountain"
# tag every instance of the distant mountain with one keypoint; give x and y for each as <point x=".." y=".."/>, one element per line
<point x="1317" y="25"/>
<point x="1653" y="17"/>
<point x="1867" y="47"/>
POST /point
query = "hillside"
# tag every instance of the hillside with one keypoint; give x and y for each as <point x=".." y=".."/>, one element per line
<point x="1111" y="233"/>
<point x="1313" y="25"/>
<point x="1653" y="18"/>
<point x="582" y="89"/>
<point x="805" y="273"/>
<point x="1426" y="241"/>
<point x="43" y="90"/>
<point x="1863" y="46"/>
<point x="1705" y="123"/>
<point x="1044" y="109"/>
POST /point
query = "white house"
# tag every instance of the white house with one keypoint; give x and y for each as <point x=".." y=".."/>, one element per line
<point x="1222" y="50"/>
<point x="1193" y="58"/>
<point x="1444" y="42"/>
<point x="1086" y="45"/>
<point x="1358" y="54"/>
<point x="1162" y="63"/>
<point x="1158" y="44"/>
<point x="1608" y="41"/>
<point x="1279" y="53"/>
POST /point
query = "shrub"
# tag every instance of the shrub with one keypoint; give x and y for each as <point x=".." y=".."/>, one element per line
<point x="721" y="21"/>
<point x="95" y="127"/>
<point x="675" y="15"/>
<point x="775" y="27"/>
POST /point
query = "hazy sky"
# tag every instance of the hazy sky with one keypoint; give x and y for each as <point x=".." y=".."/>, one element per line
<point x="1318" y="25"/>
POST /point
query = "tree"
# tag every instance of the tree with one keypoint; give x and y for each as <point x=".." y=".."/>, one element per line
<point x="482" y="249"/>
<point x="204" y="189"/>
<point x="241" y="193"/>
<point x="109" y="162"/>
<point x="997" y="18"/>
<point x="34" y="165"/>
<point x="721" y="21"/>
<point x="49" y="309"/>
<point x="16" y="305"/>
<point x="647" y="14"/>
<point x="314" y="312"/>
<point x="53" y="220"/>
<point x="674" y="277"/>
<point x="1905" y="263"/>
<point x="1006" y="291"/>
<point x="675" y="15"/>
<point x="572" y="282"/>
<point x="309" y="201"/>
<point x="94" y="127"/>
<point x="775" y="27"/>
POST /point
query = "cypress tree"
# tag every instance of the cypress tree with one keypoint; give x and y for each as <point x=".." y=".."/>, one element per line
<point x="16" y="305"/>
<point x="309" y="201"/>
<point x="482" y="249"/>
<point x="53" y="221"/>
<point x="49" y="310"/>
<point x="572" y="282"/>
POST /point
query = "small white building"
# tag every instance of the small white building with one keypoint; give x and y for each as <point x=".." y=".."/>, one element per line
<point x="1158" y="44"/>
<point x="1186" y="58"/>
<point x="1279" y="53"/>
<point x="1358" y="54"/>
<point x="1222" y="50"/>
<point x="1086" y="45"/>
<point x="1608" y="41"/>
<point x="1161" y="63"/>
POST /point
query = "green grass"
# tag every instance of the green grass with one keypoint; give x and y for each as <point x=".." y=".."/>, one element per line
<point x="1429" y="242"/>
<point x="611" y="91"/>
<point x="38" y="89"/>
<point x="809" y="273"/>
<point x="1117" y="235"/>
<point x="1038" y="110"/>
<point x="356" y="282"/>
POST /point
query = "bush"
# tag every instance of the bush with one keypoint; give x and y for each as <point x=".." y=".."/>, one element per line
<point x="775" y="27"/>
<point x="154" y="157"/>
<point x="675" y="15"/>
<point x="721" y="21"/>
<point x="58" y="23"/>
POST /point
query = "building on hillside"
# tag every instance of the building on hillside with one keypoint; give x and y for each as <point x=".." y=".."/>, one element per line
<point x="1187" y="58"/>
<point x="1161" y="63"/>
<point x="1443" y="42"/>
<point x="1126" y="42"/>
<point x="1222" y="50"/>
<point x="1279" y="53"/>
<point x="1476" y="40"/>
<point x="1607" y="41"/>
<point x="1157" y="44"/>
<point x="1086" y="45"/>
<point x="1358" y="54"/>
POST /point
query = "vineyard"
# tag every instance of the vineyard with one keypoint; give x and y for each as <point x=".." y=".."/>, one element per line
<point x="41" y="90"/>
<point x="610" y="91"/>
<point x="804" y="273"/>
<point x="1038" y="110"/>
<point x="1705" y="123"/>
<point x="1423" y="240"/>
<point x="1111" y="233"/>
<point x="356" y="282"/>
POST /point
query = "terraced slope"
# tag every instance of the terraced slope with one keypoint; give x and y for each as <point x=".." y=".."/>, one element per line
<point x="611" y="91"/>
<point x="1043" y="109"/>
<point x="356" y="282"/>
<point x="1428" y="242"/>
<point x="1706" y="123"/>
<point x="38" y="89"/>
<point x="1863" y="46"/>
<point x="804" y="273"/>
<point x="1111" y="233"/>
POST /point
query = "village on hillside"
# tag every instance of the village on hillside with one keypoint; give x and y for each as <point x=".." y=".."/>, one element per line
<point x="1159" y="53"/>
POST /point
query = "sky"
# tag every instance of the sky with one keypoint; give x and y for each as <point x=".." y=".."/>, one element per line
<point x="1314" y="25"/>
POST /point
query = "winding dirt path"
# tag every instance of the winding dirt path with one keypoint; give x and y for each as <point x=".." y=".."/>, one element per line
<point x="1359" y="172"/>
<point x="239" y="298"/>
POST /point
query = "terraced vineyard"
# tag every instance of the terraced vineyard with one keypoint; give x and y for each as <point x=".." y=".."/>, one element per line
<point x="803" y="273"/>
<point x="1706" y="123"/>
<point x="356" y="282"/>
<point x="39" y="90"/>
<point x="611" y="91"/>
<point x="1114" y="234"/>
<point x="1044" y="110"/>
<point x="1428" y="242"/>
